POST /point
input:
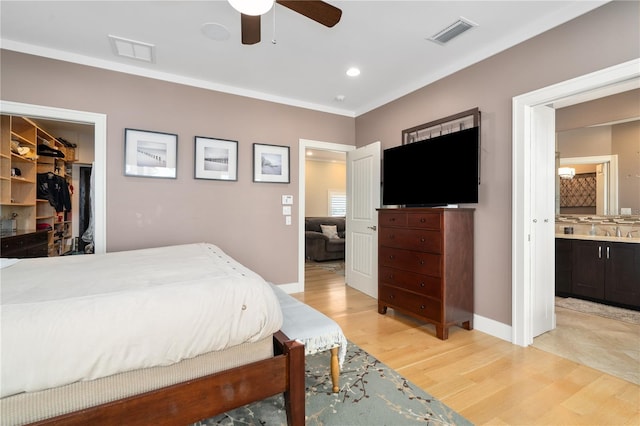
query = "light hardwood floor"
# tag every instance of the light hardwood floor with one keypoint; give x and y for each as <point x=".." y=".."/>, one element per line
<point x="487" y="380"/>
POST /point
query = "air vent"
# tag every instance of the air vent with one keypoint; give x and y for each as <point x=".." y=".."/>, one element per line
<point x="132" y="49"/>
<point x="452" y="31"/>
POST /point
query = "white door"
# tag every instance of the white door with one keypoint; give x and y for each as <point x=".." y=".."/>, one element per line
<point x="543" y="220"/>
<point x="363" y="198"/>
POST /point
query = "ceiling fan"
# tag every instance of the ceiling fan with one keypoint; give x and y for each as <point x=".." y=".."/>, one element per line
<point x="250" y="11"/>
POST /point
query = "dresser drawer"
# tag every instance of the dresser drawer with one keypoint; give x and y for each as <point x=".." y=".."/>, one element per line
<point x="392" y="219"/>
<point x="411" y="303"/>
<point x="418" y="283"/>
<point x="408" y="260"/>
<point x="411" y="239"/>
<point x="424" y="220"/>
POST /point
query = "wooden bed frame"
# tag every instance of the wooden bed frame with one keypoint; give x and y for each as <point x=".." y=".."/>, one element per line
<point x="204" y="397"/>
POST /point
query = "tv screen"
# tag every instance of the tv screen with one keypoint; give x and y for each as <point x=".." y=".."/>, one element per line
<point x="433" y="172"/>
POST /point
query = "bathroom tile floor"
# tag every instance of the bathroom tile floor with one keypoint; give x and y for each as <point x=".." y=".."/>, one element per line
<point x="604" y="344"/>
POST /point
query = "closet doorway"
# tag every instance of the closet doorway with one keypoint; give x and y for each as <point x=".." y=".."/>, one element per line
<point x="98" y="123"/>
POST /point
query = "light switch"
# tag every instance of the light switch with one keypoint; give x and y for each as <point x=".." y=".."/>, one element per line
<point x="286" y="210"/>
<point x="287" y="199"/>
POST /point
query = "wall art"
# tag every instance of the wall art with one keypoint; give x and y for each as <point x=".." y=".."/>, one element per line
<point x="150" y="154"/>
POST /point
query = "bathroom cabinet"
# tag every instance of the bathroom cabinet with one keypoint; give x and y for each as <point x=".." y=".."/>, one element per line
<point x="600" y="270"/>
<point x="563" y="267"/>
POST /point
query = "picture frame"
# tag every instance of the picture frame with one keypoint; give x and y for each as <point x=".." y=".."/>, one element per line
<point x="271" y="163"/>
<point x="150" y="154"/>
<point x="216" y="159"/>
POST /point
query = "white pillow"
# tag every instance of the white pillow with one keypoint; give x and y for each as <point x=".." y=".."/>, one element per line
<point x="330" y="231"/>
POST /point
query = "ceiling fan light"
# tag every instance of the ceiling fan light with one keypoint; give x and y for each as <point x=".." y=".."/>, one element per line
<point x="252" y="7"/>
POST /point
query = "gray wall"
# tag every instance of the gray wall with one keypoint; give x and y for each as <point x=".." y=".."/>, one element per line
<point x="243" y="218"/>
<point x="607" y="36"/>
<point x="246" y="218"/>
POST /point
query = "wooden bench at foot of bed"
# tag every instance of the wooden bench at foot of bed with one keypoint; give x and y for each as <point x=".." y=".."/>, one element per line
<point x="204" y="397"/>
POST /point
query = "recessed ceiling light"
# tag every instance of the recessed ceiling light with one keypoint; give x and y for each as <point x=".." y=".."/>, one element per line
<point x="340" y="98"/>
<point x="214" y="31"/>
<point x="353" y="72"/>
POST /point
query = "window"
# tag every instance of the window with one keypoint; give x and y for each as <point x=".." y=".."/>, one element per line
<point x="337" y="203"/>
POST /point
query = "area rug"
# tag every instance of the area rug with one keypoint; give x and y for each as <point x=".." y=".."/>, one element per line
<point x="370" y="394"/>
<point x="612" y="312"/>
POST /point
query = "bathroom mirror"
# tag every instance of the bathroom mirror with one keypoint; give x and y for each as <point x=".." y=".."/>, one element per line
<point x="600" y="141"/>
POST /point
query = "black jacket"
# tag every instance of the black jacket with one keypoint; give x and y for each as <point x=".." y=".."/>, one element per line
<point x="55" y="189"/>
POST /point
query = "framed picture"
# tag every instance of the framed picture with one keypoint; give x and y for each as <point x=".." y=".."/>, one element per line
<point x="216" y="159"/>
<point x="150" y="154"/>
<point x="270" y="163"/>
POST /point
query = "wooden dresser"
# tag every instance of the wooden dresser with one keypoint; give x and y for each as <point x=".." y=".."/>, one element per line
<point x="425" y="265"/>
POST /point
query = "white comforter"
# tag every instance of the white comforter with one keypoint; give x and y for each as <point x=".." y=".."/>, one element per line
<point x="74" y="318"/>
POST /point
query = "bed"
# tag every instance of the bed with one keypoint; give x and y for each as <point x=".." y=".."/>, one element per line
<point x="168" y="335"/>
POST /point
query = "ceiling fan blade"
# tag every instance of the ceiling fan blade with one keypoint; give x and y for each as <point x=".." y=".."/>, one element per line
<point x="250" y="29"/>
<point x="319" y="11"/>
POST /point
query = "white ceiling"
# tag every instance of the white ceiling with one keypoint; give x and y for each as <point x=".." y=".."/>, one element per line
<point x="306" y="65"/>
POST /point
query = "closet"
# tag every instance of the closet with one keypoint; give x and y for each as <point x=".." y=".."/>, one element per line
<point x="35" y="185"/>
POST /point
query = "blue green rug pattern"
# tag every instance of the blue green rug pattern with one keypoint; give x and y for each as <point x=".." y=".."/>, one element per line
<point x="370" y="394"/>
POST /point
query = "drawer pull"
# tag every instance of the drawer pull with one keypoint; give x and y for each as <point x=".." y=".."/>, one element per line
<point x="421" y="261"/>
<point x="422" y="240"/>
<point x="391" y="257"/>
<point x="391" y="296"/>
<point x="390" y="277"/>
<point x="421" y="306"/>
<point x="422" y="284"/>
<point x="422" y="220"/>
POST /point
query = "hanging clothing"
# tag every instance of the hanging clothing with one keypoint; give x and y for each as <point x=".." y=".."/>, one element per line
<point x="55" y="189"/>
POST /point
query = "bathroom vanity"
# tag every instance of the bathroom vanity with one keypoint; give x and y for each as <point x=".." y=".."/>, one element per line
<point x="605" y="269"/>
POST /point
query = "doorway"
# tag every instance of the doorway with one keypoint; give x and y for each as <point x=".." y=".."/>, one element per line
<point x="304" y="145"/>
<point x="99" y="122"/>
<point x="525" y="221"/>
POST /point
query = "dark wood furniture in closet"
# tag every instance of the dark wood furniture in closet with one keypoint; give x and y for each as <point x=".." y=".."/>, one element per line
<point x="425" y="265"/>
<point x="25" y="244"/>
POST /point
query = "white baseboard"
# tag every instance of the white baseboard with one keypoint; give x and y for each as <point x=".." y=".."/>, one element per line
<point x="480" y="323"/>
<point x="291" y="288"/>
<point x="492" y="327"/>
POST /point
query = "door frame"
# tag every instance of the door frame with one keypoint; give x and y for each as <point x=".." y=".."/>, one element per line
<point x="99" y="122"/>
<point x="522" y="176"/>
<point x="302" y="149"/>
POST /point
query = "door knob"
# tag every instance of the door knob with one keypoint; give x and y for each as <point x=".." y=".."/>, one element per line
<point x="372" y="227"/>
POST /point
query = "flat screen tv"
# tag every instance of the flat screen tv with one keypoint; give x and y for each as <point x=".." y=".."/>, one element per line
<point x="439" y="171"/>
